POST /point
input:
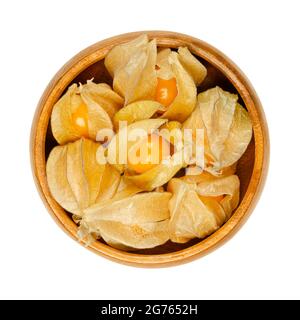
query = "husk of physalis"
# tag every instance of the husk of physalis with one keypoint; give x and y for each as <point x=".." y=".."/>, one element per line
<point x="75" y="178"/>
<point x="185" y="100"/>
<point x="154" y="177"/>
<point x="227" y="128"/>
<point x="192" y="65"/>
<point x="160" y="174"/>
<point x="199" y="209"/>
<point x="136" y="111"/>
<point x="132" y="66"/>
<point x="188" y="72"/>
<point x="99" y="104"/>
<point x="138" y="221"/>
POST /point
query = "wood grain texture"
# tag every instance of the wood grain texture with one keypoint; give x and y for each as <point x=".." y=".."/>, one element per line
<point x="252" y="167"/>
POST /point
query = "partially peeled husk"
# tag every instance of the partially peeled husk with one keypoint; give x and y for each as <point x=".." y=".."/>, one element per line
<point x="158" y="175"/>
<point x="188" y="72"/>
<point x="132" y="66"/>
<point x="185" y="101"/>
<point x="101" y="103"/>
<point x="227" y="128"/>
<point x="194" y="210"/>
<point x="75" y="178"/>
<point x="139" y="221"/>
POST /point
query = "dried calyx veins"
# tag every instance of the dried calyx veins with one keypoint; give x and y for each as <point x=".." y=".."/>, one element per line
<point x="147" y="160"/>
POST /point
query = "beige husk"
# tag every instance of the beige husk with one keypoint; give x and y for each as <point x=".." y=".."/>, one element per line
<point x="193" y="66"/>
<point x="101" y="103"/>
<point x="194" y="210"/>
<point x="206" y="176"/>
<point x="227" y="128"/>
<point x="136" y="111"/>
<point x="75" y="178"/>
<point x="139" y="221"/>
<point x="188" y="72"/>
<point x="103" y="95"/>
<point x="132" y="66"/>
<point x="185" y="101"/>
<point x="160" y="174"/>
<point x="165" y="69"/>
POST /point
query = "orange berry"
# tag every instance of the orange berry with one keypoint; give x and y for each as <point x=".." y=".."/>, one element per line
<point x="80" y="120"/>
<point x="166" y="91"/>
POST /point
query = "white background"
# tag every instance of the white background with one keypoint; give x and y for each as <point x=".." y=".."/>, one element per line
<point x="37" y="260"/>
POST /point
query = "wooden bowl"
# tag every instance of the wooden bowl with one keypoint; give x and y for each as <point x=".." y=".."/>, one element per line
<point x="252" y="167"/>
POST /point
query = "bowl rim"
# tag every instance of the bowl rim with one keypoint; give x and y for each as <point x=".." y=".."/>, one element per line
<point x="97" y="52"/>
